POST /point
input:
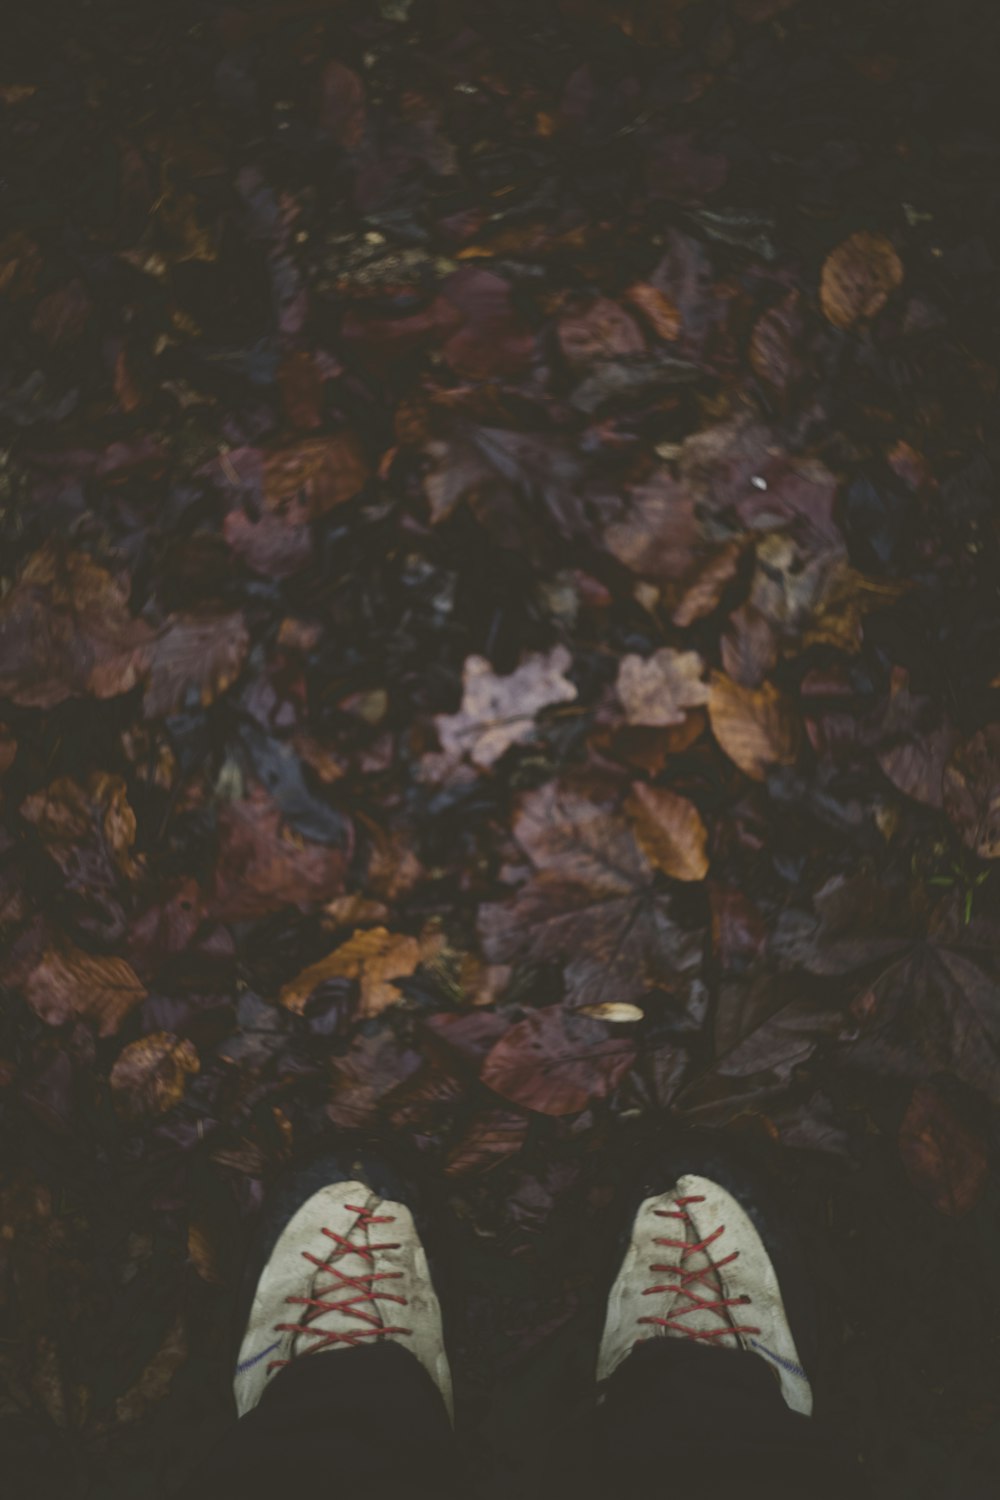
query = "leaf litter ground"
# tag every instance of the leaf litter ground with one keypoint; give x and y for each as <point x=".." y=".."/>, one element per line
<point x="499" y="650"/>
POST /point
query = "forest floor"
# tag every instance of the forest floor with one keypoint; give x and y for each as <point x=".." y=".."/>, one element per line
<point x="499" y="651"/>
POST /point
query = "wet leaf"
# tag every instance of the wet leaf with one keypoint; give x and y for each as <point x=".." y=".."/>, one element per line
<point x="669" y="831"/>
<point x="499" y="711"/>
<point x="492" y="1138"/>
<point x="659" y="690"/>
<point x="263" y="865"/>
<point x="944" y="1158"/>
<point x="556" y="1062"/>
<point x="194" y="659"/>
<point x="858" y="278"/>
<point x="755" y="726"/>
<point x="150" y="1075"/>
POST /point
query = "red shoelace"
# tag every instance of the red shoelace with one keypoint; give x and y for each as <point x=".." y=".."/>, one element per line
<point x="688" y="1280"/>
<point x="359" y="1289"/>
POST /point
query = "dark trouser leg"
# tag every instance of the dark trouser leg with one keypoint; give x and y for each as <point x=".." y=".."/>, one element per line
<point x="690" y="1423"/>
<point x="364" y="1423"/>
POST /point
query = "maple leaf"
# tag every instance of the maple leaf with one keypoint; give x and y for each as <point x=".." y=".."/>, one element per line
<point x="659" y="689"/>
<point x="376" y="958"/>
<point x="590" y="902"/>
<point x="498" y="712"/>
<point x="556" y="1062"/>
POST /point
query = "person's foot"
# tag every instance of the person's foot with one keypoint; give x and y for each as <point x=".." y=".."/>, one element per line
<point x="339" y="1264"/>
<point x="696" y="1268"/>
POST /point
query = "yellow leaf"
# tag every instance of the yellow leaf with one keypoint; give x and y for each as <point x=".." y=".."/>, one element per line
<point x="375" y="958"/>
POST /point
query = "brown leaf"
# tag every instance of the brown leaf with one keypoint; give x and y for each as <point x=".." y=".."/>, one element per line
<point x="775" y="341"/>
<point x="321" y="473"/>
<point x="8" y="748"/>
<point x="156" y="1379"/>
<point x="858" y="277"/>
<point x="262" y="865"/>
<point x="498" y="712"/>
<point x="66" y="631"/>
<point x="657" y="308"/>
<point x="589" y="904"/>
<point x="89" y="831"/>
<point x="493" y="1137"/>
<point x="301" y="387"/>
<point x="194" y="659"/>
<point x="669" y="831"/>
<point x="972" y="792"/>
<point x="702" y="593"/>
<point x="659" y="689"/>
<point x="67" y="982"/>
<point x="150" y="1075"/>
<point x="659" y="535"/>
<point x="944" y="1159"/>
<point x="602" y="331"/>
<point x="375" y="957"/>
<point x="920" y="745"/>
<point x="749" y="647"/>
<point x="755" y="727"/>
<point x="342" y="105"/>
<point x="556" y="1062"/>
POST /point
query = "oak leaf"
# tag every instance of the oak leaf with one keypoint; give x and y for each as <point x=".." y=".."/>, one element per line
<point x="497" y="711"/>
<point x="658" y="690"/>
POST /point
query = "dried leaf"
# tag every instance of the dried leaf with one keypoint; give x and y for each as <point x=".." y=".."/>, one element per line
<point x="658" y="690"/>
<point x="67" y="982"/>
<point x="66" y="631"/>
<point x="749" y="647"/>
<point x="944" y="1159"/>
<point x="755" y="727"/>
<point x="614" y="1012"/>
<point x="657" y="308"/>
<point x="603" y="331"/>
<point x="669" y="831"/>
<point x="498" y="712"/>
<point x="8" y="748"/>
<point x="659" y="534"/>
<point x="703" y="592"/>
<point x="972" y="792"/>
<point x="150" y="1075"/>
<point x="556" y="1062"/>
<point x="858" y="278"/>
<point x="375" y="958"/>
<point x="493" y="1137"/>
<point x="320" y="473"/>
<point x="194" y="659"/>
<point x="342" y="105"/>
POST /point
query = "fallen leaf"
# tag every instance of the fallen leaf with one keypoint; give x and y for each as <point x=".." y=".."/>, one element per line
<point x="493" y="1137"/>
<point x="659" y="535"/>
<point x="659" y="689"/>
<point x="944" y="1158"/>
<point x="755" y="726"/>
<point x="703" y="592"/>
<point x="89" y="831"/>
<point x="320" y="473"/>
<point x="858" y="277"/>
<point x="67" y="982"/>
<point x="262" y="865"/>
<point x="194" y="659"/>
<point x="66" y="631"/>
<point x="556" y="1062"/>
<point x="775" y="343"/>
<point x="342" y="105"/>
<point x="662" y="315"/>
<point x="8" y="748"/>
<point x="749" y="647"/>
<point x="589" y="903"/>
<point x="669" y="831"/>
<point x="920" y="745"/>
<point x="150" y="1075"/>
<point x="972" y="792"/>
<point x="301" y="387"/>
<point x="498" y="712"/>
<point x="614" y="1012"/>
<point x="375" y="957"/>
<point x="602" y="331"/>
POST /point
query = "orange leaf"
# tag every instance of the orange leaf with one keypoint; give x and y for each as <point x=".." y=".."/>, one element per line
<point x="858" y="277"/>
<point x="375" y="958"/>
<point x="669" y="831"/>
<point x="755" y="726"/>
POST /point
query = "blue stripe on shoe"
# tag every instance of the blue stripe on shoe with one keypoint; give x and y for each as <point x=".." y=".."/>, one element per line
<point x="786" y="1364"/>
<point x="248" y="1364"/>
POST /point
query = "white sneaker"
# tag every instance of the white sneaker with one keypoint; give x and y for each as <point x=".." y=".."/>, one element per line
<point x="696" y="1268"/>
<point x="344" y="1269"/>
